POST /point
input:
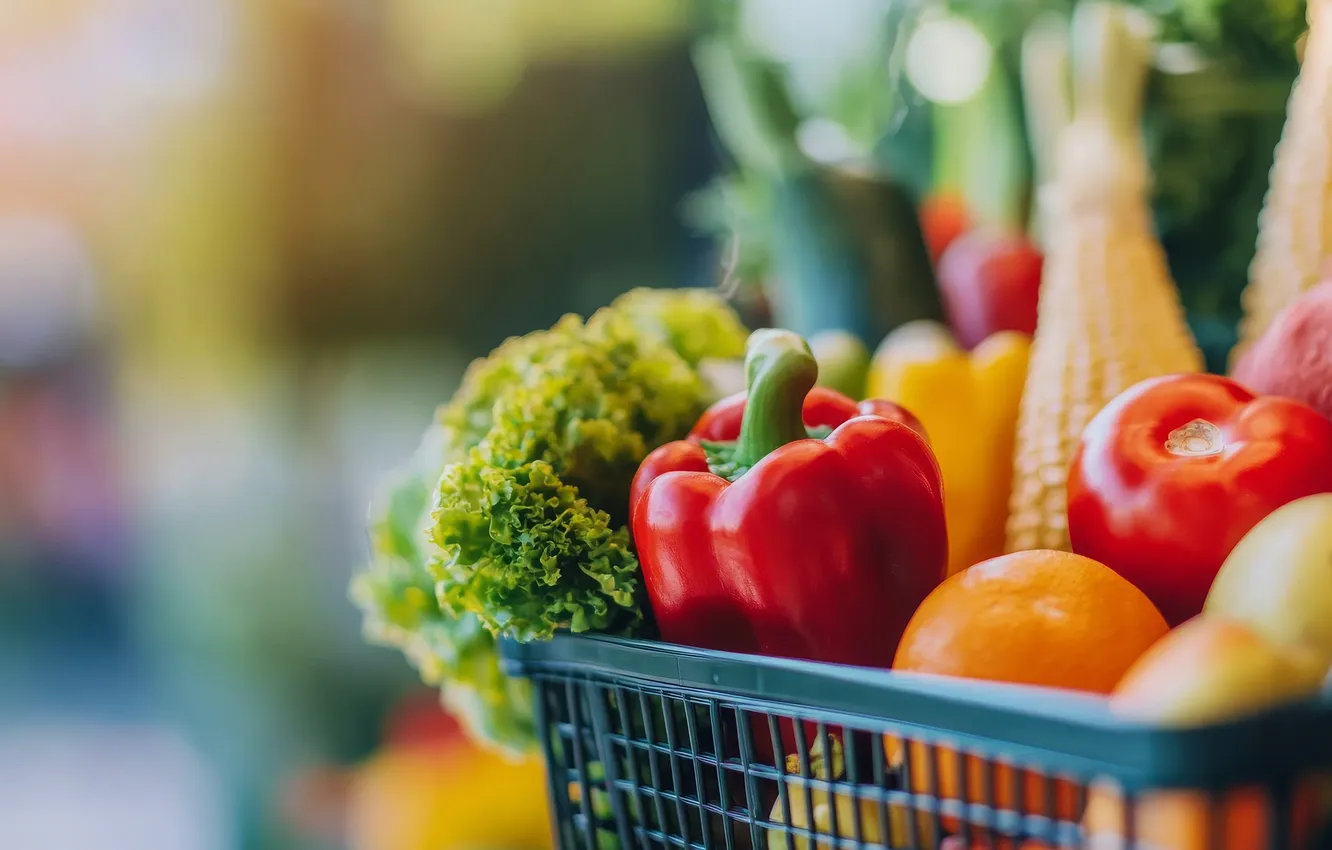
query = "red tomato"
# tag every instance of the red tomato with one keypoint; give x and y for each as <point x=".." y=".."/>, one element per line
<point x="1174" y="471"/>
<point x="990" y="281"/>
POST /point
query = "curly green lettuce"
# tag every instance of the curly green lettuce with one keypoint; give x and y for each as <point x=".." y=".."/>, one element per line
<point x="529" y="555"/>
<point x="530" y="526"/>
<point x="510" y="519"/>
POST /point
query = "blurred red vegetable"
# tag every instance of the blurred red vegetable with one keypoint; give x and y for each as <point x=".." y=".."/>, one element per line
<point x="990" y="280"/>
<point x="943" y="218"/>
<point x="419" y="719"/>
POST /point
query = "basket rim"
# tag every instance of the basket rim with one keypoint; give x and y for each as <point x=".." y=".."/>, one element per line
<point x="1063" y="731"/>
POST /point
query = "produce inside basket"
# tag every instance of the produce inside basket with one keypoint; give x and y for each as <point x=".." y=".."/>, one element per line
<point x="652" y="745"/>
<point x="983" y="589"/>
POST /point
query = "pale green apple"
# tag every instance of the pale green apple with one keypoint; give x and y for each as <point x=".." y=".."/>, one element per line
<point x="843" y="361"/>
<point x="1278" y="580"/>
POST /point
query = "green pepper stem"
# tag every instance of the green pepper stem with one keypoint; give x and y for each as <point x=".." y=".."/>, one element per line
<point x="780" y="371"/>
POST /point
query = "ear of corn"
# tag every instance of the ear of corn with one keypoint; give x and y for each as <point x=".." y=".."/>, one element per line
<point x="1295" y="229"/>
<point x="1110" y="315"/>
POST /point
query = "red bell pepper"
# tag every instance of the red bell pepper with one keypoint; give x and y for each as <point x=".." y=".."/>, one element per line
<point x="1174" y="471"/>
<point x="783" y="544"/>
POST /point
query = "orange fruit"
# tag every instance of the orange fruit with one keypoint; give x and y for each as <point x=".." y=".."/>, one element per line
<point x="1043" y="618"/>
<point x="1208" y="670"/>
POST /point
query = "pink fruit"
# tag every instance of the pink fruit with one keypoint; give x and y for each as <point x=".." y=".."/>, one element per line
<point x="1294" y="357"/>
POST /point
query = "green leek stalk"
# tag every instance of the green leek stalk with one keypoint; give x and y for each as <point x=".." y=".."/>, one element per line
<point x="981" y="148"/>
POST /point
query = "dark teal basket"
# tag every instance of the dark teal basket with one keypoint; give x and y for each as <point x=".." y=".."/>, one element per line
<point x="654" y="745"/>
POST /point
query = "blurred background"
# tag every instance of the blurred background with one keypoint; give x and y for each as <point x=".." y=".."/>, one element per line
<point x="247" y="246"/>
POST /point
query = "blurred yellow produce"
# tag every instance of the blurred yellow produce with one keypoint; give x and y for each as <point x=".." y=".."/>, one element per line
<point x="968" y="403"/>
<point x="449" y="796"/>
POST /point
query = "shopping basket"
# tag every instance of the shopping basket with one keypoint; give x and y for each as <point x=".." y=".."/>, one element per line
<point x="655" y="745"/>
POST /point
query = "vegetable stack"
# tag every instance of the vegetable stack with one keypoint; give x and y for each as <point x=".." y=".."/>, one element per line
<point x="511" y="520"/>
<point x="1295" y="236"/>
<point x="1109" y="314"/>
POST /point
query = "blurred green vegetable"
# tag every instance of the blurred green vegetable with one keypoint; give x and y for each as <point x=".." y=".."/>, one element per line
<point x="1257" y="28"/>
<point x="1215" y="115"/>
<point x="832" y="233"/>
<point x="510" y="520"/>
<point x="843" y="360"/>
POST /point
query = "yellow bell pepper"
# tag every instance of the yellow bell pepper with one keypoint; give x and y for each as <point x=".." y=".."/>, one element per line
<point x="968" y="403"/>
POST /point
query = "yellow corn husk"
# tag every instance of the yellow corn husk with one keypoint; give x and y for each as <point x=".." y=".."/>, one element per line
<point x="1295" y="229"/>
<point x="1110" y="315"/>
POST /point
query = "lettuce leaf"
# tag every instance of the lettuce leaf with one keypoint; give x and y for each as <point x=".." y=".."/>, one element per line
<point x="398" y="598"/>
